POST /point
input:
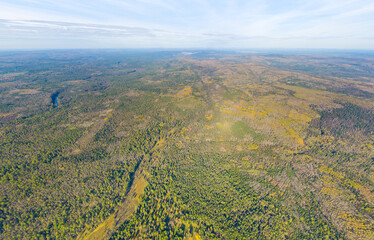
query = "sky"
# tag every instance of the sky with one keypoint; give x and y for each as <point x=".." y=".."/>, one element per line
<point x="193" y="24"/>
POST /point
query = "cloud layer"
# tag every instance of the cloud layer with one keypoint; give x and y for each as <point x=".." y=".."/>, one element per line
<point x="187" y="24"/>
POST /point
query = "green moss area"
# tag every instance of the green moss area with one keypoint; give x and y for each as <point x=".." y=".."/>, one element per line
<point x="239" y="129"/>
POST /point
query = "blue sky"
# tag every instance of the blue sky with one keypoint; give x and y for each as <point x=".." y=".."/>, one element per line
<point x="338" y="24"/>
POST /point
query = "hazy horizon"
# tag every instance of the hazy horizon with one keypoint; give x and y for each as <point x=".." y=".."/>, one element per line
<point x="194" y="24"/>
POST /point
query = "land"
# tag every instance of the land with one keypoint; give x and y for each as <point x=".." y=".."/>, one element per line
<point x="168" y="145"/>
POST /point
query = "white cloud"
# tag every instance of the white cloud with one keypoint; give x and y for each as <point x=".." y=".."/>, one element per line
<point x="191" y="23"/>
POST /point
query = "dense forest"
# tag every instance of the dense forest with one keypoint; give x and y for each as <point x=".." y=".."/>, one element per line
<point x="120" y="144"/>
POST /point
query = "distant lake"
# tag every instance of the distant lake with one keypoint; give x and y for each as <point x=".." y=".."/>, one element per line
<point x="54" y="98"/>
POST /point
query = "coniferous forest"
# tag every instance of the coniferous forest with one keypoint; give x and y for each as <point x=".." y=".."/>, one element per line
<point x="135" y="144"/>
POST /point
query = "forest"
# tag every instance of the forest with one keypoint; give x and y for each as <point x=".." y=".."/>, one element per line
<point x="157" y="144"/>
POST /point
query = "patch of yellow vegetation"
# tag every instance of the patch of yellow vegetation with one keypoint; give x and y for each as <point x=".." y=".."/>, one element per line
<point x="209" y="117"/>
<point x="292" y="132"/>
<point x="122" y="212"/>
<point x="179" y="145"/>
<point x="300" y="117"/>
<point x="102" y="229"/>
<point x="251" y="112"/>
<point x="6" y="114"/>
<point x="76" y="151"/>
<point x="255" y="172"/>
<point x="75" y="81"/>
<point x="227" y="111"/>
<point x="328" y="170"/>
<point x="252" y="146"/>
<point x="300" y="141"/>
<point x="106" y="113"/>
<point x="159" y="144"/>
<point x="187" y="91"/>
<point x="358" y="228"/>
<point x="226" y="125"/>
<point x="369" y="146"/>
<point x="354" y="184"/>
<point x="196" y="236"/>
<point x="330" y="191"/>
<point x="29" y="91"/>
<point x="172" y="130"/>
<point x="330" y="188"/>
